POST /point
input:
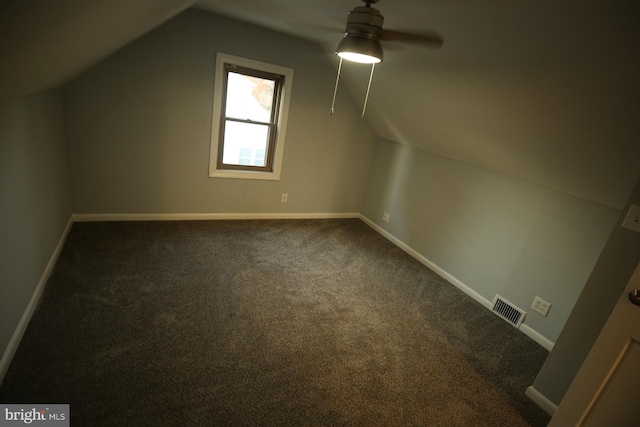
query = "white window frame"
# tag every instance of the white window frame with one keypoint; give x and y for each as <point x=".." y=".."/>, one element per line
<point x="221" y="59"/>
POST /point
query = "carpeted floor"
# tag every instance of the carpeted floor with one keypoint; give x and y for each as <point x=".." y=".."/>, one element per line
<point x="266" y="323"/>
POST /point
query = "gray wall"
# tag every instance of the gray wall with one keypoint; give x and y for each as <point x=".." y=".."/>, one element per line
<point x="496" y="234"/>
<point x="139" y="126"/>
<point x="609" y="277"/>
<point x="35" y="190"/>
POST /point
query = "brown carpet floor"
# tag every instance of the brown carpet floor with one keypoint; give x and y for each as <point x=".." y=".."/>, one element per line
<point x="265" y="323"/>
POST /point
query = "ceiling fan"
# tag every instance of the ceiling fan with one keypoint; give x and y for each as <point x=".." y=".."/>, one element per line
<point x="362" y="37"/>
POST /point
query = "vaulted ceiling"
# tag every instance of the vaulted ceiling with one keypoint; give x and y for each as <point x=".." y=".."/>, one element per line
<point x="542" y="91"/>
<point x="44" y="44"/>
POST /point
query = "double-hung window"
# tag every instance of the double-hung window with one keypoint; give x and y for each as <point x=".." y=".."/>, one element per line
<point x="249" y="118"/>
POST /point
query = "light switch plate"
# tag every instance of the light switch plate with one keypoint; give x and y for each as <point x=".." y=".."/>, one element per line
<point x="632" y="221"/>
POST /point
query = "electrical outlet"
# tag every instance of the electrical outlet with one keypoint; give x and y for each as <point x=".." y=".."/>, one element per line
<point x="284" y="198"/>
<point x="386" y="216"/>
<point x="541" y="306"/>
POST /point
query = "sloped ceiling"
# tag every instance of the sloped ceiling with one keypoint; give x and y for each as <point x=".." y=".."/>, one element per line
<point x="544" y="91"/>
<point x="45" y="43"/>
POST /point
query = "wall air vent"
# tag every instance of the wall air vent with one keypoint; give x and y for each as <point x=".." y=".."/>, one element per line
<point x="508" y="311"/>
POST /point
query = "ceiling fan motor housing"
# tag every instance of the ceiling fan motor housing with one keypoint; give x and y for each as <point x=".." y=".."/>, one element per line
<point x="365" y="22"/>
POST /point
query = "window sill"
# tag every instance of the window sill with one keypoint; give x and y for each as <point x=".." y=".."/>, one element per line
<point x="266" y="176"/>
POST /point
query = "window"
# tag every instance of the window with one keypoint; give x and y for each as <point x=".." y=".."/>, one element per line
<point x="251" y="101"/>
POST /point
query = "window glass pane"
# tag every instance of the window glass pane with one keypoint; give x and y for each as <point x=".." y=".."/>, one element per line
<point x="245" y="156"/>
<point x="259" y="157"/>
<point x="243" y="143"/>
<point x="249" y="98"/>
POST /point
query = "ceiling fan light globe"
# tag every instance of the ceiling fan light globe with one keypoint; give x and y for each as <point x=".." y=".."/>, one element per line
<point x="358" y="57"/>
<point x="360" y="49"/>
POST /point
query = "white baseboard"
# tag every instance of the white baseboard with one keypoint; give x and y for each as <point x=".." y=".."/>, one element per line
<point x="536" y="336"/>
<point x="525" y="329"/>
<point x="14" y="342"/>
<point x="97" y="217"/>
<point x="431" y="265"/>
<point x="540" y="400"/>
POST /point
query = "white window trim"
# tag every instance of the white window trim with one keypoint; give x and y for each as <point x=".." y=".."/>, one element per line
<point x="221" y="59"/>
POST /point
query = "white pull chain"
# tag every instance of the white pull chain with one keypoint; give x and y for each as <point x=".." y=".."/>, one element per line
<point x="366" y="98"/>
<point x="335" y="89"/>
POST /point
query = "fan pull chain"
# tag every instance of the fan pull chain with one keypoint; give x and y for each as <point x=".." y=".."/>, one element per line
<point x="335" y="89"/>
<point x="366" y="98"/>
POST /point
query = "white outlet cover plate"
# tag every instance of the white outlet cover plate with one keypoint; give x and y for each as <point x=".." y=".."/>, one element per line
<point x="632" y="221"/>
<point x="541" y="306"/>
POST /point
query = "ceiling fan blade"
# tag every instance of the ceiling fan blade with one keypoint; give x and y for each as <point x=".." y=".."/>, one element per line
<point x="428" y="39"/>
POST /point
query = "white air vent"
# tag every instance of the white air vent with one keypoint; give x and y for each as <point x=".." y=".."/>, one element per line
<point x="508" y="311"/>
